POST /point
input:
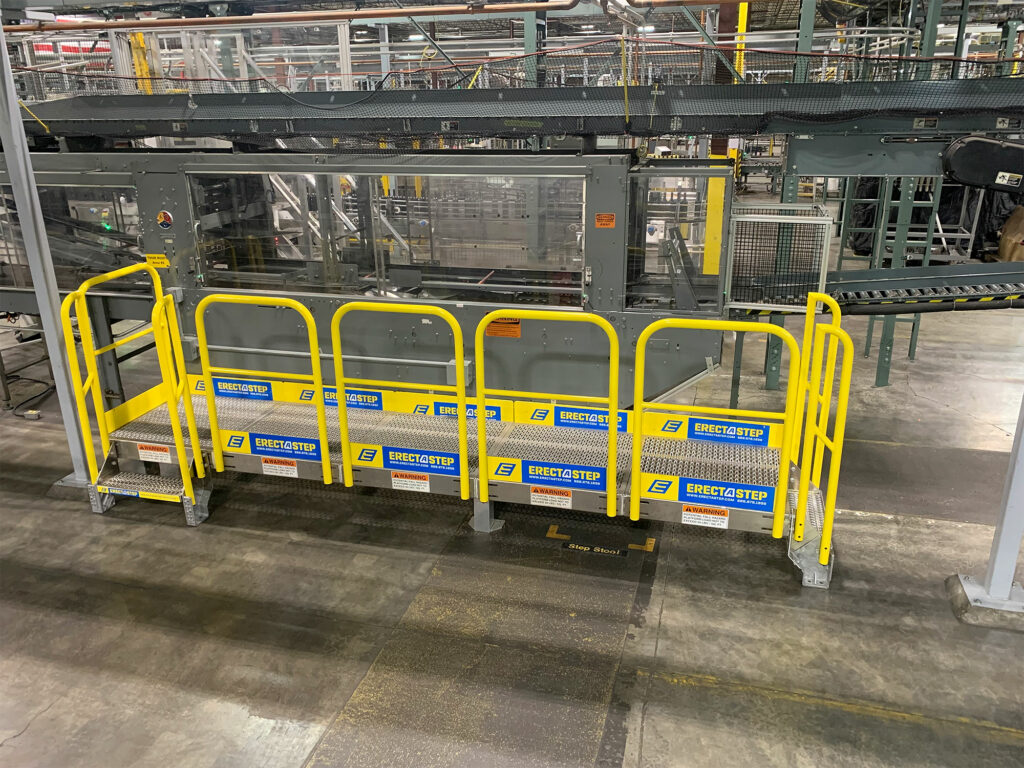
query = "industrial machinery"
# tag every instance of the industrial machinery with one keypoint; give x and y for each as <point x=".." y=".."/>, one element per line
<point x="359" y="288"/>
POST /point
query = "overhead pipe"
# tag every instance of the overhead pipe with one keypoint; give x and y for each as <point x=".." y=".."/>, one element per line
<point x="295" y="17"/>
<point x="300" y="17"/>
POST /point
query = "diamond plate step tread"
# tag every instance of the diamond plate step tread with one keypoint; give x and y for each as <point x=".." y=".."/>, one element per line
<point x="722" y="462"/>
<point x="135" y="481"/>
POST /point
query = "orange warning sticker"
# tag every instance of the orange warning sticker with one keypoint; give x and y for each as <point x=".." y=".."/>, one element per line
<point x="507" y="327"/>
<point x="280" y="467"/>
<point x="410" y="481"/>
<point x="708" y="517"/>
<point x="550" y="497"/>
<point x="160" y="453"/>
<point x="604" y="220"/>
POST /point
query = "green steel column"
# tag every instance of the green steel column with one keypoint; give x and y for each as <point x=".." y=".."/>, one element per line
<point x="805" y="39"/>
<point x="961" y="37"/>
<point x="535" y="27"/>
<point x="928" y="37"/>
<point x="1007" y="44"/>
<point x="773" y="355"/>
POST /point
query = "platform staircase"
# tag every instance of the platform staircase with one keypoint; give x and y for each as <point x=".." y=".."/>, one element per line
<point x="750" y="470"/>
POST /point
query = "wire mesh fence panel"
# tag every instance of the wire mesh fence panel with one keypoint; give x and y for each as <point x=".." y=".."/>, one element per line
<point x="778" y="256"/>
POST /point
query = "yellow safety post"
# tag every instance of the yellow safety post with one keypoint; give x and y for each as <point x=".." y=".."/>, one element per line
<point x="612" y="400"/>
<point x="459" y="388"/>
<point x="173" y="388"/>
<point x="315" y="377"/>
<point x="137" y="43"/>
<point x="788" y="415"/>
<point x="816" y="432"/>
<point x="813" y="300"/>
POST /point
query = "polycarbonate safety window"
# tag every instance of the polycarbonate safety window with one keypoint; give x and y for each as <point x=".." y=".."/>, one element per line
<point x="514" y="239"/>
<point x="90" y="230"/>
<point x="677" y="238"/>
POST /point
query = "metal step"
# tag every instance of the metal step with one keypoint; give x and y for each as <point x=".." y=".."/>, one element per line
<point x="135" y="483"/>
<point x="563" y="445"/>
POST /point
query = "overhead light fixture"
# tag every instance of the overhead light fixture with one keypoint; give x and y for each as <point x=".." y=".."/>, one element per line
<point x="416" y="38"/>
<point x="586" y="26"/>
<point x="648" y="28"/>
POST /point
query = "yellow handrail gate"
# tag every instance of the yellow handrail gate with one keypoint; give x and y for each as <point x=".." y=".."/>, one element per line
<point x="108" y="481"/>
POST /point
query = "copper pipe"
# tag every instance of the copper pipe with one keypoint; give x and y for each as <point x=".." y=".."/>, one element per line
<point x="297" y="17"/>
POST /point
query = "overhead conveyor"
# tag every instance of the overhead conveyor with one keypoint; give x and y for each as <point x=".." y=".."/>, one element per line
<point x="696" y="465"/>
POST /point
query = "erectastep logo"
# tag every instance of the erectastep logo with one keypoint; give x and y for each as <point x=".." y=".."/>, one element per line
<point x="742" y="433"/>
<point x="452" y="410"/>
<point x="739" y="495"/>
<point x="587" y="418"/>
<point x="243" y="389"/>
<point x="436" y="462"/>
<point x="283" y="447"/>
<point x="564" y="475"/>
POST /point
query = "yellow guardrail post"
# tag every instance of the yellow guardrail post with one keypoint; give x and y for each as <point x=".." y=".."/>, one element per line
<point x="788" y="416"/>
<point x="613" y="388"/>
<point x="813" y="300"/>
<point x="181" y="385"/>
<point x="91" y="383"/>
<point x="817" y="425"/>
<point x="169" y="386"/>
<point x="315" y="377"/>
<point x="459" y="389"/>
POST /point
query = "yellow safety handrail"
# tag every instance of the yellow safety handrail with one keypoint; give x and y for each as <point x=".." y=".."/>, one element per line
<point x="612" y="400"/>
<point x="788" y="416"/>
<point x="459" y="388"/>
<point x="314" y="377"/>
<point x="175" y="386"/>
<point x="807" y="346"/>
<point x="91" y="384"/>
<point x="816" y="440"/>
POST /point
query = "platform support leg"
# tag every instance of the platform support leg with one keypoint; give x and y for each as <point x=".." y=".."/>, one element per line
<point x="737" y="366"/>
<point x="100" y="502"/>
<point x="773" y="355"/>
<point x="198" y="512"/>
<point x="483" y="517"/>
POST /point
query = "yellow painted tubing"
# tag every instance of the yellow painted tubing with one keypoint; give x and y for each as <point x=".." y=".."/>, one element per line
<point x="639" y="404"/>
<point x="814" y="431"/>
<point x="314" y="360"/>
<point x="181" y="389"/>
<point x="459" y="388"/>
<point x="613" y="388"/>
<point x="77" y="299"/>
<point x="79" y="386"/>
<point x="168" y="379"/>
<point x="813" y="300"/>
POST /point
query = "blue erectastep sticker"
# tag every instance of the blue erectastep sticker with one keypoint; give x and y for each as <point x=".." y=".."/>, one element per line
<point x="244" y="389"/>
<point x="123" y="492"/>
<point x="585" y="418"/>
<point x="433" y="462"/>
<point x="452" y="410"/>
<point x="579" y="476"/>
<point x="758" y="498"/>
<point x="284" y="447"/>
<point x="735" y="432"/>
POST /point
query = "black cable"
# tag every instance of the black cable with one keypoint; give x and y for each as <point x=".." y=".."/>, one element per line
<point x="37" y="398"/>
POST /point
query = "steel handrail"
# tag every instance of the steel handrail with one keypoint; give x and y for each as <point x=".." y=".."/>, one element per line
<point x="91" y="383"/>
<point x="787" y="416"/>
<point x="817" y="432"/>
<point x="315" y="377"/>
<point x="458" y="389"/>
<point x="612" y="400"/>
<point x="175" y="385"/>
<point x="807" y="344"/>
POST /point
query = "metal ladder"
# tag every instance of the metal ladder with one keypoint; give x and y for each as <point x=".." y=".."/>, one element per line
<point x="165" y="465"/>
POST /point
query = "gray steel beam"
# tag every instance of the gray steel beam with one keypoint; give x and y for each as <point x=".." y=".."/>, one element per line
<point x="928" y="36"/>
<point x="37" y="250"/>
<point x="695" y="22"/>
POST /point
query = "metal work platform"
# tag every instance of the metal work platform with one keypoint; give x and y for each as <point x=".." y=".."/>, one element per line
<point x="716" y="462"/>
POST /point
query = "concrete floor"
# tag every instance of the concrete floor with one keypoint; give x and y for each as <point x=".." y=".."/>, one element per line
<point x="303" y="625"/>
